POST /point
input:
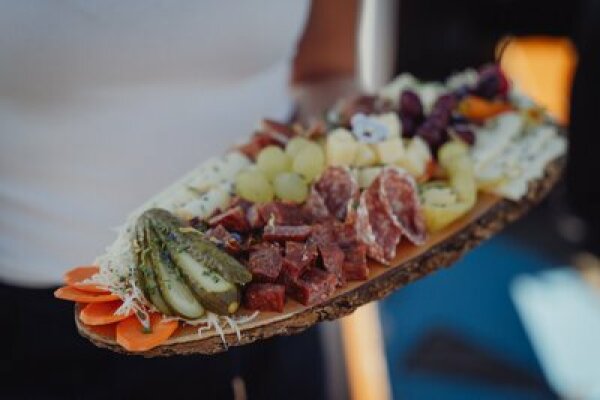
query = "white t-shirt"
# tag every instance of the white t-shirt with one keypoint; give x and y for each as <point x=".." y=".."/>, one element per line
<point x="103" y="103"/>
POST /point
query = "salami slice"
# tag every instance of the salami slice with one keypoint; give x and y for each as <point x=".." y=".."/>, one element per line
<point x="400" y="197"/>
<point x="355" y="263"/>
<point x="338" y="188"/>
<point x="374" y="225"/>
<point x="315" y="207"/>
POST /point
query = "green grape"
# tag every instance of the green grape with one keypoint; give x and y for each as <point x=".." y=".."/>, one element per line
<point x="272" y="160"/>
<point x="253" y="186"/>
<point x="290" y="186"/>
<point x="309" y="162"/>
<point x="295" y="145"/>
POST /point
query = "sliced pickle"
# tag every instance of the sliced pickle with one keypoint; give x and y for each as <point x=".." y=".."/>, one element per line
<point x="201" y="249"/>
<point x="172" y="285"/>
<point x="145" y="274"/>
<point x="212" y="290"/>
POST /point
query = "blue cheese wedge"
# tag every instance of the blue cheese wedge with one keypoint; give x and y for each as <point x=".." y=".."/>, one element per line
<point x="507" y="171"/>
<point x="532" y="159"/>
<point x="212" y="179"/>
<point x="205" y="205"/>
<point x="495" y="137"/>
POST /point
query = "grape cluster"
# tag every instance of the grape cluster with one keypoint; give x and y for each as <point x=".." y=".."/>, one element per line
<point x="282" y="173"/>
<point x="444" y="122"/>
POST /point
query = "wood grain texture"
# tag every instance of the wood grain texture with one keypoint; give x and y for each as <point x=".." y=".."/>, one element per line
<point x="439" y="255"/>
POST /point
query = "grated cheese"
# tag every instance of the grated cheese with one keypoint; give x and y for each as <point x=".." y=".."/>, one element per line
<point x="117" y="264"/>
<point x="217" y="323"/>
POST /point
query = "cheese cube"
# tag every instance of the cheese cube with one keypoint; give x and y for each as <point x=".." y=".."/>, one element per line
<point x="416" y="157"/>
<point x="390" y="151"/>
<point x="366" y="176"/>
<point x="365" y="155"/>
<point x="392" y="123"/>
<point x="341" y="148"/>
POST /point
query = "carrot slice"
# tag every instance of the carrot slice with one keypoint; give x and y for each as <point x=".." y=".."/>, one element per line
<point x="107" y="331"/>
<point x="131" y="334"/>
<point x="74" y="294"/>
<point x="102" y="313"/>
<point x="479" y="109"/>
<point x="77" y="275"/>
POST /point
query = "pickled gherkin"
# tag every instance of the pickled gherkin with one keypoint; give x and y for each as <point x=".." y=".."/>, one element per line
<point x="188" y="268"/>
<point x="176" y="293"/>
<point x="201" y="249"/>
<point x="145" y="272"/>
<point x="211" y="289"/>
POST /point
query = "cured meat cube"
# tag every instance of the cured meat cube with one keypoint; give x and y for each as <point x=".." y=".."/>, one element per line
<point x="355" y="263"/>
<point x="265" y="263"/>
<point x="345" y="235"/>
<point x="281" y="213"/>
<point x="338" y="188"/>
<point x="314" y="286"/>
<point x="224" y="239"/>
<point x="255" y="220"/>
<point x="298" y="258"/>
<point x="233" y="219"/>
<point x="285" y="233"/>
<point x="333" y="260"/>
<point x="264" y="297"/>
<point x="323" y="233"/>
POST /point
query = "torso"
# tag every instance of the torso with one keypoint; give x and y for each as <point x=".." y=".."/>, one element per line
<point x="105" y="103"/>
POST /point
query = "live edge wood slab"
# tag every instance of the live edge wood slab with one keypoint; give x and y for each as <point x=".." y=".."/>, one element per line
<point x="442" y="249"/>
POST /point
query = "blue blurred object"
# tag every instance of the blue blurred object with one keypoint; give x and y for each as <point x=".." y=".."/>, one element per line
<point x="471" y="299"/>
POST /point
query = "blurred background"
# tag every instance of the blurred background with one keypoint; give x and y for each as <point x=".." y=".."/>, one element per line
<point x="518" y="318"/>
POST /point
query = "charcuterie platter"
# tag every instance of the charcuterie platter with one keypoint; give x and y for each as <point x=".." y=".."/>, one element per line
<point x="305" y="223"/>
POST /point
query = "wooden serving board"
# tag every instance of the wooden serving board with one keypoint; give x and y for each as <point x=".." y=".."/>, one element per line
<point x="442" y="249"/>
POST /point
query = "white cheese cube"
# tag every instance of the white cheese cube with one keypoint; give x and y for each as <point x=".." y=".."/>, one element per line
<point x="365" y="155"/>
<point x="366" y="176"/>
<point x="341" y="148"/>
<point x="416" y="157"/>
<point x="390" y="151"/>
<point x="392" y="123"/>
